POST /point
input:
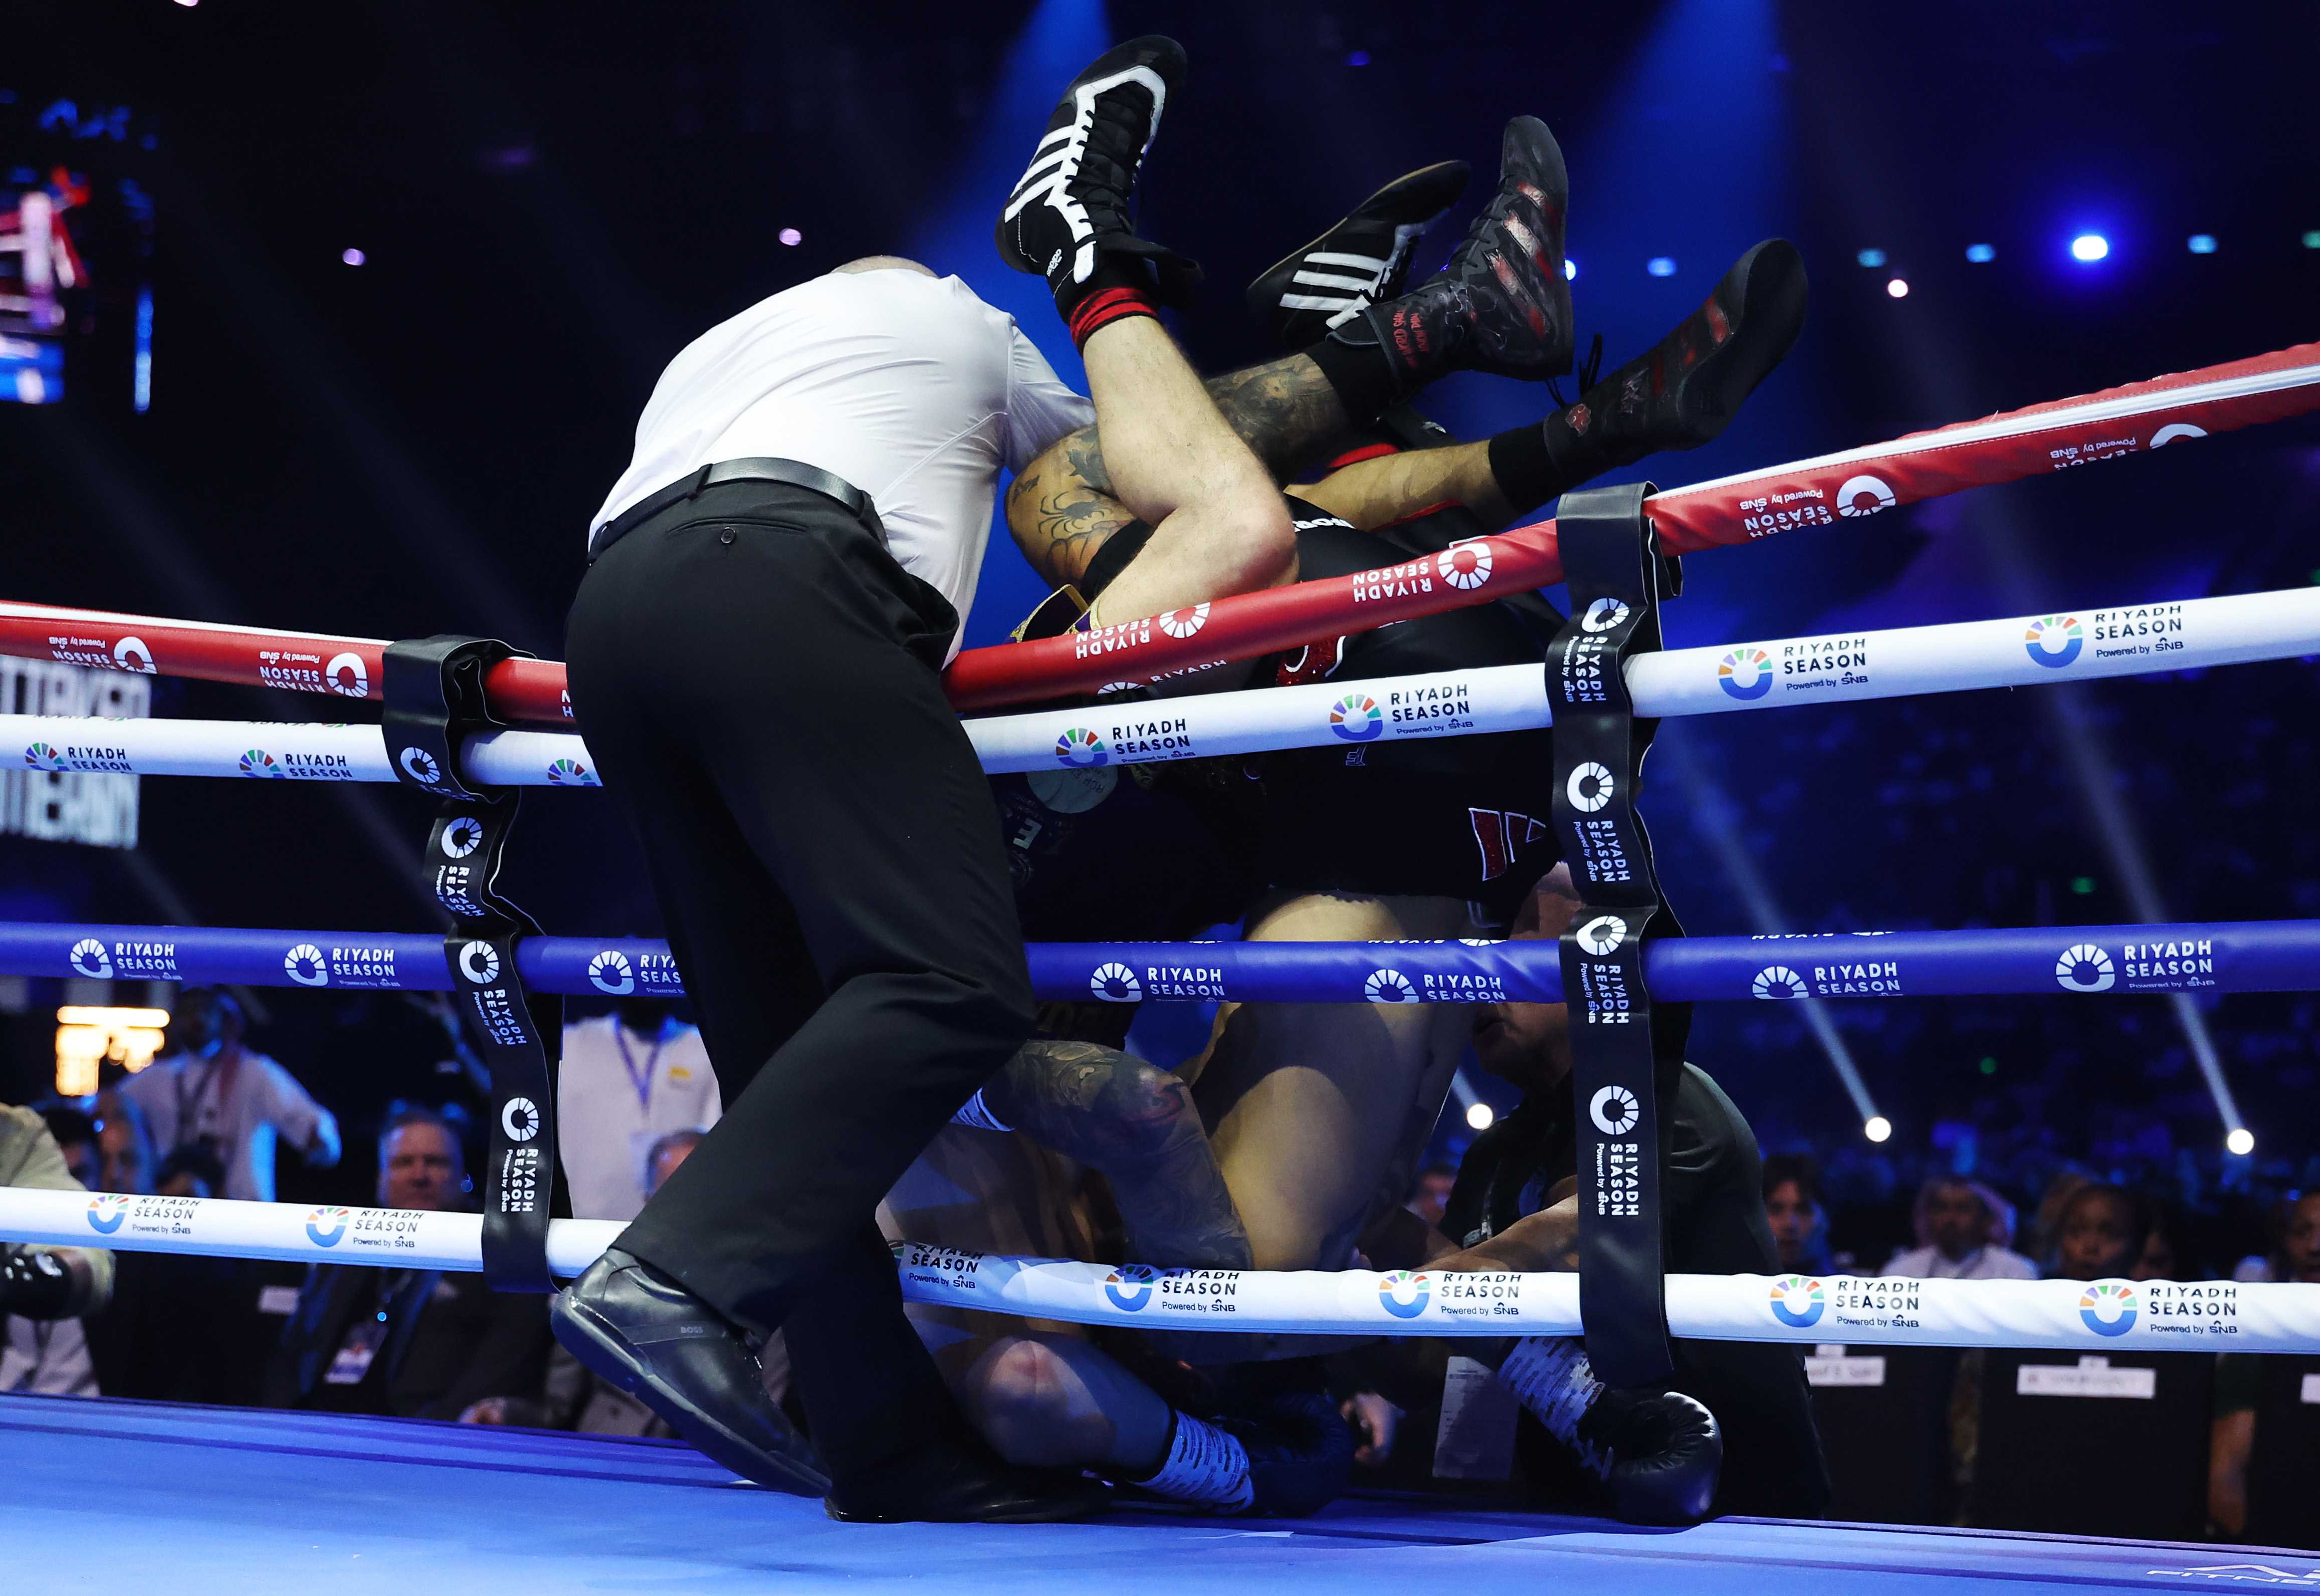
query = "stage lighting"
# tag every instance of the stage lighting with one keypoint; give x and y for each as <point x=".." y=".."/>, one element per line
<point x="2312" y="240"/>
<point x="1480" y="1116"/>
<point x="2201" y="243"/>
<point x="1878" y="1128"/>
<point x="1660" y="266"/>
<point x="1980" y="254"/>
<point x="1570" y="270"/>
<point x="1871" y="257"/>
<point x="1897" y="289"/>
<point x="1360" y="58"/>
<point x="353" y="256"/>
<point x="2090" y="247"/>
<point x="2240" y="1142"/>
<point x="792" y="237"/>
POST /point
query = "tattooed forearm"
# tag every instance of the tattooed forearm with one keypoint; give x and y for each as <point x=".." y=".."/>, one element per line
<point x="1137" y="1124"/>
<point x="1285" y="409"/>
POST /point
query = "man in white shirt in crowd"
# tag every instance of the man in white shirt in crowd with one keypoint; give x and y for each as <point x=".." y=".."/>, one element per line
<point x="776" y="584"/>
<point x="628" y="1081"/>
<point x="1961" y="1235"/>
<point x="216" y="1092"/>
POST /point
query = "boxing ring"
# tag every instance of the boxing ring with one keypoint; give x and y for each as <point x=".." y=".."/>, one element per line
<point x="283" y="1500"/>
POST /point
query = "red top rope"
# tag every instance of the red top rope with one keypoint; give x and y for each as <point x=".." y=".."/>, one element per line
<point x="2004" y="448"/>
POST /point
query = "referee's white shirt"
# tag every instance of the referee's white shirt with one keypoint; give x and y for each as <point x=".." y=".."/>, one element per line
<point x="907" y="386"/>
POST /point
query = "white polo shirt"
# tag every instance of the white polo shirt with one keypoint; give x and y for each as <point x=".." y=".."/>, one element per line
<point x="907" y="386"/>
<point x="616" y="1094"/>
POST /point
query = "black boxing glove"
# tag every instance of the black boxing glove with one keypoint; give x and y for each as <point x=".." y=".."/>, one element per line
<point x="35" y="1285"/>
<point x="1301" y="1451"/>
<point x="1657" y="1453"/>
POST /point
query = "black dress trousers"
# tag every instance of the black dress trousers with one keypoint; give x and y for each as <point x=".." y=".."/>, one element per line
<point x="758" y="679"/>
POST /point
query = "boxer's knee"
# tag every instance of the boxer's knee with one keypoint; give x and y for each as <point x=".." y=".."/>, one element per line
<point x="1032" y="1407"/>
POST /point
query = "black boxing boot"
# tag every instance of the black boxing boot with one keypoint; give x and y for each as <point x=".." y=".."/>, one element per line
<point x="1678" y="394"/>
<point x="1360" y="261"/>
<point x="633" y="1326"/>
<point x="1069" y="217"/>
<point x="1657" y="1454"/>
<point x="1503" y="305"/>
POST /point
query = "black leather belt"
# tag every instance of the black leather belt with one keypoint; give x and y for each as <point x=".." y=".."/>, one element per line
<point x="795" y="473"/>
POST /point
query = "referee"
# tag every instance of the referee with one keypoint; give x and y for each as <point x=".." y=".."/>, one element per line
<point x="773" y="586"/>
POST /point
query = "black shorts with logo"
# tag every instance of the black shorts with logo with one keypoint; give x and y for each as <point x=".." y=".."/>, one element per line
<point x="1460" y="816"/>
<point x="1160" y="851"/>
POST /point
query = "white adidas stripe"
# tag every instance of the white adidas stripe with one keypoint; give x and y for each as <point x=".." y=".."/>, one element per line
<point x="1331" y="257"/>
<point x="1322" y="279"/>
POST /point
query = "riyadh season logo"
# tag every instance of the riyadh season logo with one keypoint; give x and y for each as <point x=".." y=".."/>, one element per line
<point x="1778" y="981"/>
<point x="107" y="1212"/>
<point x="611" y="973"/>
<point x="462" y="836"/>
<point x="305" y="965"/>
<point x="1615" y="1110"/>
<point x="1588" y="788"/>
<point x="2053" y="641"/>
<point x="1184" y="623"/>
<point x="1465" y="565"/>
<point x="479" y="962"/>
<point x="259" y="762"/>
<point x="571" y="773"/>
<point x="2107" y="1307"/>
<point x="2173" y="430"/>
<point x="1402" y="1293"/>
<point x="1863" y="495"/>
<point x="1356" y="718"/>
<point x="1388" y="986"/>
<point x="131" y="654"/>
<point x="1797" y="1302"/>
<point x="1079" y="749"/>
<point x="420" y="766"/>
<point x="1603" y="614"/>
<point x="1130" y="1287"/>
<point x="347" y="676"/>
<point x="1603" y="934"/>
<point x="2085" y="967"/>
<point x="42" y="756"/>
<point x="1115" y="982"/>
<point x="1744" y="673"/>
<point x="90" y="959"/>
<point x="520" y="1118"/>
<point x="324" y="1226"/>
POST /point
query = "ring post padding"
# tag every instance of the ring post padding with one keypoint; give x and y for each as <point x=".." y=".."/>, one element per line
<point x="435" y="703"/>
<point x="1624" y="1055"/>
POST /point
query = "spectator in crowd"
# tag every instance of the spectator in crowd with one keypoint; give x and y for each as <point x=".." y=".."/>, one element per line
<point x="2098" y="1232"/>
<point x="2239" y="1378"/>
<point x="1433" y="1193"/>
<point x="191" y="1171"/>
<point x="124" y="1146"/>
<point x="74" y="1130"/>
<point x="1961" y="1230"/>
<point x="217" y="1092"/>
<point x="1792" y="1207"/>
<point x="43" y="1290"/>
<point x="2045" y="1228"/>
<point x="2164" y="1255"/>
<point x="628" y="1079"/>
<point x="410" y="1343"/>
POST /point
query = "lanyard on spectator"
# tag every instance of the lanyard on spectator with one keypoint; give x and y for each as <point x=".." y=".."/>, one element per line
<point x="641" y="1080"/>
<point x="1626" y="1057"/>
<point x="434" y="695"/>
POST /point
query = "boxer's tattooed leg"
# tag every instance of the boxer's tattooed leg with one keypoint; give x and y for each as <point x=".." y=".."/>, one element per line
<point x="1136" y="1124"/>
<point x="1060" y="511"/>
<point x="1284" y="410"/>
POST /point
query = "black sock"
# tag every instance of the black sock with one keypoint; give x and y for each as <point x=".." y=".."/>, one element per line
<point x="1366" y="382"/>
<point x="1524" y="465"/>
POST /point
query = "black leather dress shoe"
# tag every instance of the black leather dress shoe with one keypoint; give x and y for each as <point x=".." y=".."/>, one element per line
<point x="948" y="1483"/>
<point x="653" y="1338"/>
